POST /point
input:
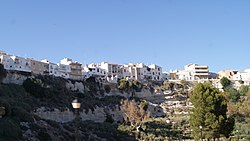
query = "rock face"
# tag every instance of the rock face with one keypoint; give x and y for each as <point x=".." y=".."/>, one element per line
<point x="144" y="93"/>
<point x="15" y="78"/>
<point x="98" y="115"/>
<point x="77" y="86"/>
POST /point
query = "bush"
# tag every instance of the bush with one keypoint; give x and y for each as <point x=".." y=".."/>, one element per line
<point x="44" y="136"/>
<point x="225" y="82"/>
<point x="5" y="103"/>
<point x="107" y="88"/>
<point x="3" y="72"/>
<point x="109" y="118"/>
<point x="33" y="86"/>
<point x="20" y="114"/>
<point x="10" y="130"/>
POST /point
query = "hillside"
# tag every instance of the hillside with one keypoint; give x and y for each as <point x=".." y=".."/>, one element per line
<point x="21" y="102"/>
<point x="40" y="109"/>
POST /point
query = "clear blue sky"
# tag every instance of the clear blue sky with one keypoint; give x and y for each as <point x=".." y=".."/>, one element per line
<point x="170" y="33"/>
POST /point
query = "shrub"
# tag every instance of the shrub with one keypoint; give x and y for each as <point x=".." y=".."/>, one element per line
<point x="107" y="88"/>
<point x="3" y="72"/>
<point x="5" y="103"/>
<point x="33" y="86"/>
<point x="10" y="130"/>
<point x="109" y="118"/>
<point x="20" y="114"/>
<point x="44" y="136"/>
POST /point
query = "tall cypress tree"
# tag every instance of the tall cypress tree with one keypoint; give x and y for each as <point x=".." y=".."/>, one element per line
<point x="209" y="111"/>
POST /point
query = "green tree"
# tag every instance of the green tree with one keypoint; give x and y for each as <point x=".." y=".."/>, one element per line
<point x="123" y="84"/>
<point x="225" y="82"/>
<point x="243" y="90"/>
<point x="234" y="95"/>
<point x="185" y="84"/>
<point x="209" y="111"/>
<point x="244" y="110"/>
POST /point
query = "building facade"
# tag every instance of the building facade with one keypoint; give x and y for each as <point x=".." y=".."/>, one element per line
<point x="75" y="68"/>
<point x="156" y="72"/>
<point x="16" y="63"/>
<point x="113" y="71"/>
<point x="39" y="67"/>
<point x="93" y="70"/>
<point x="197" y="71"/>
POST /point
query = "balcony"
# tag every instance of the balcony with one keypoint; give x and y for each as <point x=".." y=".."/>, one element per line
<point x="201" y="74"/>
<point x="201" y="67"/>
<point x="201" y="71"/>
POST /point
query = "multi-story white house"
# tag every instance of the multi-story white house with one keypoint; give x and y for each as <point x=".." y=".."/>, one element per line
<point x="16" y="63"/>
<point x="141" y="72"/>
<point x="242" y="76"/>
<point x="184" y="75"/>
<point x="191" y="72"/>
<point x="156" y="72"/>
<point x="113" y="71"/>
<point x="75" y="68"/>
<point x="58" y="70"/>
<point x="63" y="71"/>
<point x="39" y="67"/>
<point x="93" y="70"/>
<point x="197" y="71"/>
<point x="129" y="72"/>
<point x="227" y="73"/>
<point x="165" y="76"/>
<point x="6" y="60"/>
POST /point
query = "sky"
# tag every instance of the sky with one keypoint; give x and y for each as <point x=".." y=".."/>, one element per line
<point x="170" y="33"/>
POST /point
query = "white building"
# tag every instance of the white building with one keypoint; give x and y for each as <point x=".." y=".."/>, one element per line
<point x="75" y="68"/>
<point x="7" y="61"/>
<point x="15" y="63"/>
<point x="156" y="72"/>
<point x="165" y="76"/>
<point x="113" y="71"/>
<point x="184" y="75"/>
<point x="129" y="72"/>
<point x="141" y="72"/>
<point x="63" y="71"/>
<point x="93" y="70"/>
<point x="242" y="76"/>
<point x="58" y="70"/>
<point x="227" y="73"/>
<point x="197" y="71"/>
<point x="193" y="72"/>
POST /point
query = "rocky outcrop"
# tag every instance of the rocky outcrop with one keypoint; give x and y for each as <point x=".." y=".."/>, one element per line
<point x="97" y="115"/>
<point x="15" y="78"/>
<point x="76" y="86"/>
